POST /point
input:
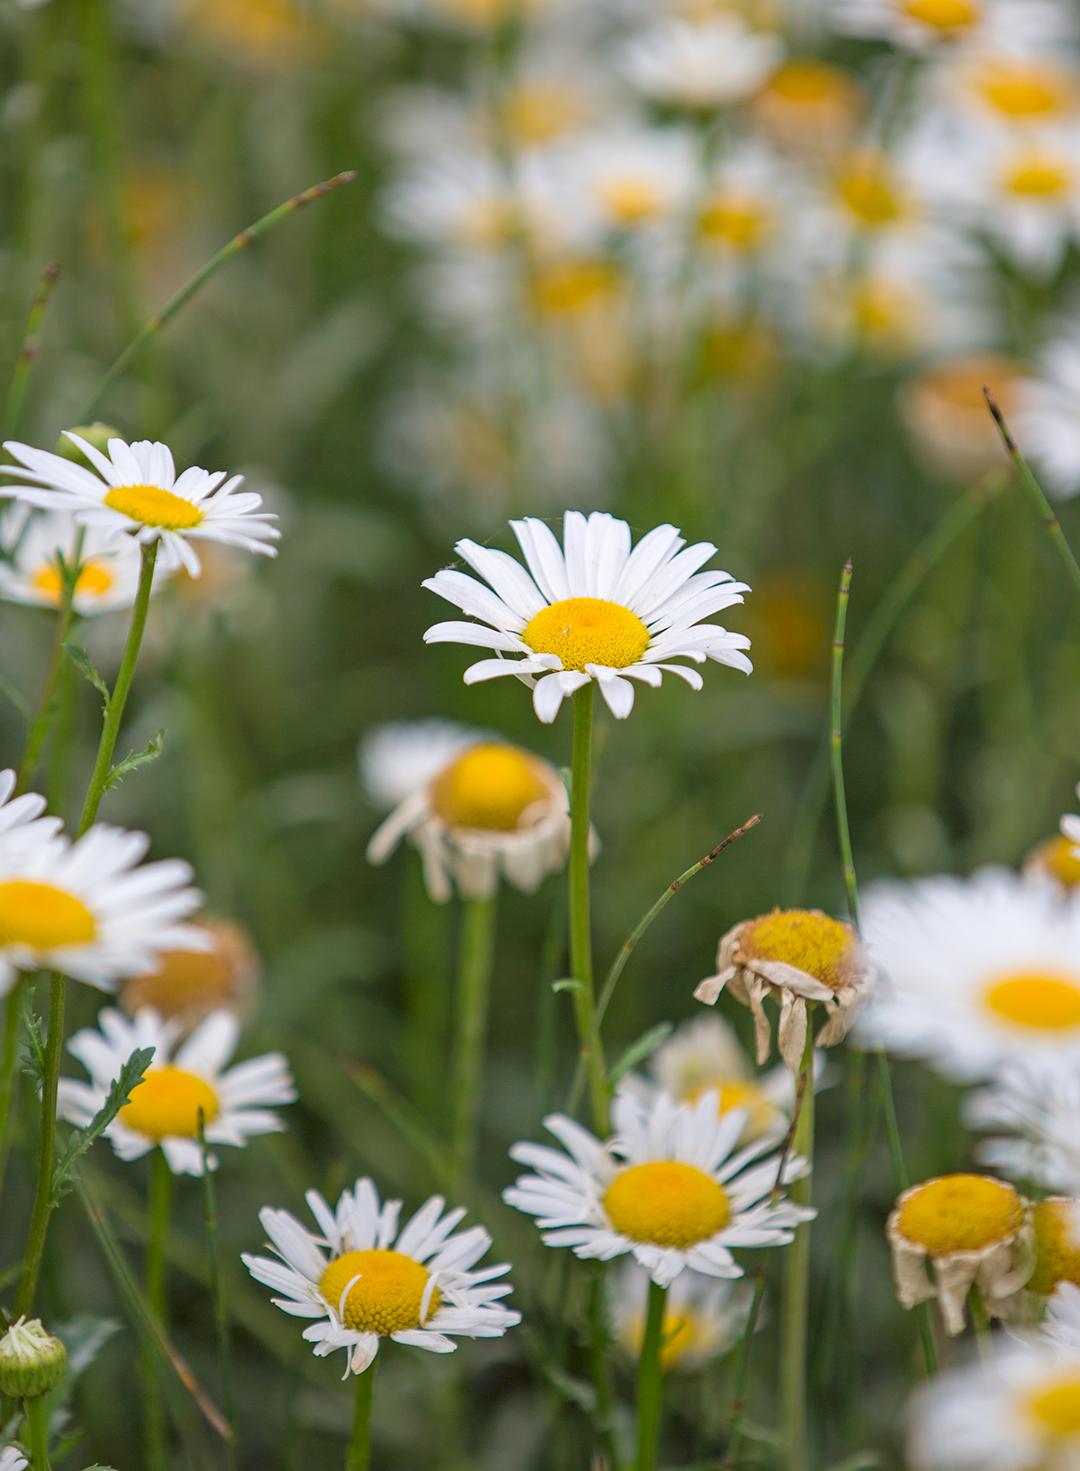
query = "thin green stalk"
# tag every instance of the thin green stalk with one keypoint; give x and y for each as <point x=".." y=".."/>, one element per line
<point x="423" y="945"/>
<point x="37" y="1425"/>
<point x="359" y="1455"/>
<point x="650" y="1382"/>
<point x="48" y="705"/>
<point x="157" y="1300"/>
<point x="16" y="395"/>
<point x="8" y="1059"/>
<point x="600" y="1360"/>
<point x="238" y="243"/>
<point x="796" y="1304"/>
<point x="476" y="953"/>
<point x="114" y="710"/>
<point x="742" y="1373"/>
<point x="581" y="965"/>
<point x="980" y="1319"/>
<point x="43" y="1194"/>
<point x="217" y="1288"/>
<point x="1035" y="490"/>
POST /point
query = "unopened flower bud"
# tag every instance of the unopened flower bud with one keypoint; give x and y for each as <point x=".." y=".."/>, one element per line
<point x="32" y="1361"/>
<point x="96" y="434"/>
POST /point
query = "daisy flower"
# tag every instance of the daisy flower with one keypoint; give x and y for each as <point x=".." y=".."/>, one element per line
<point x="703" y="1318"/>
<point x="398" y="758"/>
<point x="809" y="105"/>
<point x="1011" y="90"/>
<point x="591" y="609"/>
<point x="976" y="972"/>
<point x="1047" y="420"/>
<point x="12" y="1459"/>
<point x="21" y="814"/>
<point x="181" y="1082"/>
<point x="669" y="1188"/>
<point x="86" y="907"/>
<point x="137" y="490"/>
<point x="1056" y="860"/>
<point x="491" y="811"/>
<point x="362" y="1280"/>
<point x="920" y="25"/>
<point x="1036" y="1108"/>
<point x="1061" y="1325"/>
<point x="108" y="570"/>
<point x="185" y="986"/>
<point x="797" y="956"/>
<point x="1014" y="1408"/>
<point x="632" y="178"/>
<point x="944" y="412"/>
<point x="699" y="67"/>
<point x="958" y="1232"/>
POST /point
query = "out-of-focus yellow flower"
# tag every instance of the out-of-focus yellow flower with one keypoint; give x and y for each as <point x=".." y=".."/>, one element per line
<point x="262" y="33"/>
<point x="944" y="412"/>
<point x="810" y="104"/>
<point x="869" y="192"/>
<point x="1056" y="858"/>
<point x="187" y="985"/>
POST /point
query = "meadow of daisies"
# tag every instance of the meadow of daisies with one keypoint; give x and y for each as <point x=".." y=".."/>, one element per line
<point x="539" y="709"/>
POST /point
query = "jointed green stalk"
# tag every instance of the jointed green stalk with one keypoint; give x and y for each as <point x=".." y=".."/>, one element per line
<point x="796" y="1304"/>
<point x="157" y="1299"/>
<point x="581" y="965"/>
<point x="359" y="1454"/>
<point x="476" y="951"/>
<point x="650" y="1381"/>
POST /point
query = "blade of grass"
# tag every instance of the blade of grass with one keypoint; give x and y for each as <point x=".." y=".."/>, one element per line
<point x="20" y="376"/>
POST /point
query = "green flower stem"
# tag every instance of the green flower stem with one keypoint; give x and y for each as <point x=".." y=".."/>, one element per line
<point x="161" y="1189"/>
<point x="8" y="1058"/>
<point x="42" y="722"/>
<point x="359" y="1456"/>
<point x="793" y="1325"/>
<point x="43" y="1194"/>
<point x="28" y="351"/>
<point x="980" y="1319"/>
<point x="114" y="710"/>
<point x="650" y="1382"/>
<point x="476" y="951"/>
<point x="591" y="1048"/>
<point x="742" y="1374"/>
<point x="217" y="1288"/>
<point x="37" y="1425"/>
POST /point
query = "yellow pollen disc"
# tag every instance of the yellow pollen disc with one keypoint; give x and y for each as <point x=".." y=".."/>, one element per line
<point x="737" y="223"/>
<point x="942" y="15"/>
<point x="94" y="581"/>
<point x="489" y="786"/>
<point x="805" y="938"/>
<point x="631" y="201"/>
<point x="568" y="287"/>
<point x="1023" y="92"/>
<point x="960" y="1213"/>
<point x="807" y="83"/>
<point x="867" y="191"/>
<point x="196" y="981"/>
<point x="733" y="1093"/>
<point x="387" y="1296"/>
<point x="153" y="506"/>
<point x="1038" y="1001"/>
<point x="1039" y="177"/>
<point x="588" y="631"/>
<point x="883" y="311"/>
<point x="1057" y="1245"/>
<point x="666" y="1203"/>
<point x="1057" y="857"/>
<point x="42" y="916"/>
<point x="1054" y="1409"/>
<point x="166" y="1104"/>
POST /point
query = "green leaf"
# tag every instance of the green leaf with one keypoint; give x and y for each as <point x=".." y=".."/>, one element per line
<point x="638" y="1051"/>
<point x="86" y="667"/>
<point x="33" y="1047"/>
<point x="81" y="1139"/>
<point x="150" y="752"/>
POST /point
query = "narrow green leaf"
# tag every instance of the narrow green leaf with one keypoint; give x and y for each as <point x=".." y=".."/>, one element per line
<point x="638" y="1051"/>
<point x="86" y="667"/>
<point x="32" y="1051"/>
<point x="566" y="984"/>
<point x="81" y="1139"/>
<point x="10" y="693"/>
<point x="131" y="762"/>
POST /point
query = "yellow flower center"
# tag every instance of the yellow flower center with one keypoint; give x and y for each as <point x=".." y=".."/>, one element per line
<point x="1038" y="176"/>
<point x="805" y="938"/>
<point x="42" y="916"/>
<point x="490" y="223"/>
<point x="537" y="113"/>
<point x="884" y="311"/>
<point x="566" y="288"/>
<point x="1058" y="858"/>
<point x="808" y="82"/>
<point x="196" y="980"/>
<point x="733" y="1093"/>
<point x="631" y="201"/>
<point x="1037" y="1001"/>
<point x="167" y="1103"/>
<point x="1023" y="92"/>
<point x="588" y="631"/>
<point x="943" y="15"/>
<point x="869" y="194"/>
<point x="960" y="1213"/>
<point x="1057" y="1245"/>
<point x="739" y="223"/>
<point x="94" y="580"/>
<point x="666" y="1203"/>
<point x="387" y="1296"/>
<point x="489" y="786"/>
<point x="1054" y="1409"/>
<point x="152" y="506"/>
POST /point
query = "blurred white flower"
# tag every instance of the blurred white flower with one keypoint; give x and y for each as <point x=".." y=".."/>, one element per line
<point x="398" y="758"/>
<point x="109" y="569"/>
<point x="703" y="1318"/>
<point x="1036" y="1107"/>
<point x="699" y="67"/>
<point x="928" y="24"/>
<point x="1046" y="424"/>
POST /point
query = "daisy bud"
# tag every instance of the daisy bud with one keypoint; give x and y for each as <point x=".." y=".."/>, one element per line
<point x="32" y="1361"/>
<point x="96" y="434"/>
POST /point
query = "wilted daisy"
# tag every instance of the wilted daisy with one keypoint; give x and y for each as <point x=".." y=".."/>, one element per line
<point x="398" y="758"/>
<point x="180" y="1083"/>
<point x="592" y="609"/>
<point x="108" y="569"/>
<point x="363" y="1280"/>
<point x="86" y="907"/>
<point x="492" y="810"/>
<point x="975" y="972"/>
<point x="699" y="67"/>
<point x="799" y="957"/>
<point x="1057" y="1245"/>
<point x="1035" y="1107"/>
<point x="137" y="490"/>
<point x="1047" y="418"/>
<point x="958" y="1232"/>
<point x="669" y="1188"/>
<point x="1014" y="1408"/>
<point x="944" y="411"/>
<point x="703" y="1318"/>
<point x="185" y="986"/>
